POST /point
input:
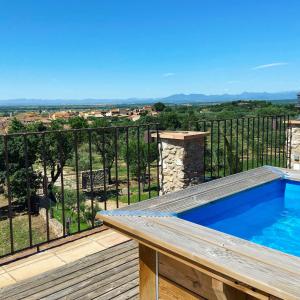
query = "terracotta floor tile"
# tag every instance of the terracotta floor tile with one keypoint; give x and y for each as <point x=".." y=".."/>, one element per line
<point x="58" y="256"/>
<point x="79" y="251"/>
<point x="6" y="279"/>
<point x="112" y="239"/>
<point x="36" y="267"/>
<point x="27" y="261"/>
<point x="100" y="235"/>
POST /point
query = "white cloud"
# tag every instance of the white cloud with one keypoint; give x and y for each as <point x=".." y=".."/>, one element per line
<point x="168" y="74"/>
<point x="270" y="65"/>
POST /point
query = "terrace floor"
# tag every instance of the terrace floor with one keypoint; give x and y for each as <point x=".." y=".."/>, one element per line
<point x="108" y="274"/>
<point x="60" y="256"/>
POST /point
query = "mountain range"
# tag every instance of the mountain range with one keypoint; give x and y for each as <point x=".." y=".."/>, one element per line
<point x="177" y="98"/>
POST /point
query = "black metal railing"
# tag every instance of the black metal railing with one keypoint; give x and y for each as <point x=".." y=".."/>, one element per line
<point x="54" y="182"/>
<point x="235" y="145"/>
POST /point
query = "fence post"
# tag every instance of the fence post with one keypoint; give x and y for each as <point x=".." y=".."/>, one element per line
<point x="181" y="159"/>
<point x="293" y="144"/>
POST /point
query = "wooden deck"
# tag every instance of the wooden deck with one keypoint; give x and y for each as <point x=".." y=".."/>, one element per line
<point x="108" y="274"/>
<point x="255" y="270"/>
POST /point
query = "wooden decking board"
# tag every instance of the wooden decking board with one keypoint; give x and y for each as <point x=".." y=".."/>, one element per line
<point x="102" y="281"/>
<point x="75" y="280"/>
<point x="88" y="278"/>
<point x="123" y="292"/>
<point x="214" y="194"/>
<point x="182" y="200"/>
<point x="254" y="251"/>
<point x="67" y="287"/>
<point x="99" y="258"/>
<point x="115" y="284"/>
<point x="268" y="278"/>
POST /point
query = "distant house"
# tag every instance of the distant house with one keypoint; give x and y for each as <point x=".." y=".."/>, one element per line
<point x="63" y="115"/>
<point x="113" y="112"/>
<point x="147" y="108"/>
<point x="93" y="113"/>
<point x="134" y="117"/>
<point x="32" y="117"/>
<point x="118" y="112"/>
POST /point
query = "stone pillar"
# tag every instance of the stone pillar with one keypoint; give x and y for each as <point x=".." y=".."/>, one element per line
<point x="293" y="144"/>
<point x="181" y="159"/>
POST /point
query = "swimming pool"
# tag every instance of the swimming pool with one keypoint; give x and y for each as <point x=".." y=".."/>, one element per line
<point x="240" y="213"/>
<point x="268" y="215"/>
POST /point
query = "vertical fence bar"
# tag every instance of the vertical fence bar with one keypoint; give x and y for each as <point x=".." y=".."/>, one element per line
<point x="211" y="147"/>
<point x="279" y="148"/>
<point x="10" y="215"/>
<point x="91" y="177"/>
<point x="157" y="161"/>
<point x="267" y="142"/>
<point x="116" y="165"/>
<point x="285" y="140"/>
<point x="218" y="147"/>
<point x="237" y="146"/>
<point x="263" y="141"/>
<point x="258" y="140"/>
<point x="231" y="147"/>
<point x="271" y="141"/>
<point x="242" y="144"/>
<point x="148" y="161"/>
<point x="45" y="186"/>
<point x="77" y="179"/>
<point x="224" y="154"/>
<point x="248" y="140"/>
<point x="104" y="168"/>
<point x="204" y="154"/>
<point x="253" y="138"/>
<point x="139" y="163"/>
<point x="28" y="193"/>
<point x="127" y="166"/>
<point x="275" y="142"/>
<point x="290" y="142"/>
<point x="62" y="188"/>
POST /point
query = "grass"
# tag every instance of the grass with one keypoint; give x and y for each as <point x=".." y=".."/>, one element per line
<point x="21" y="233"/>
<point x="58" y="215"/>
<point x="134" y="195"/>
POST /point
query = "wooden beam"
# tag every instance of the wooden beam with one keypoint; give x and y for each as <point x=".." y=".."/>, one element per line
<point x="225" y="292"/>
<point x="147" y="273"/>
<point x="169" y="290"/>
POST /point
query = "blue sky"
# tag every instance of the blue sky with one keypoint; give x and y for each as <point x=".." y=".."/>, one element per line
<point x="125" y="48"/>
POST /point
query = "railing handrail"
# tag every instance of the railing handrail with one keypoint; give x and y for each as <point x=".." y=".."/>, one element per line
<point x="76" y="130"/>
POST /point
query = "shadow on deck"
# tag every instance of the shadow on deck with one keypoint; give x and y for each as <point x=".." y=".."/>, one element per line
<point x="108" y="274"/>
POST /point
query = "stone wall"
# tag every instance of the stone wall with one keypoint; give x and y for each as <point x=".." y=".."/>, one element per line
<point x="293" y="140"/>
<point x="181" y="163"/>
<point x="54" y="226"/>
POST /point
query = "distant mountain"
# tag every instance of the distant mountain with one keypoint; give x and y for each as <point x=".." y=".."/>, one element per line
<point x="178" y="98"/>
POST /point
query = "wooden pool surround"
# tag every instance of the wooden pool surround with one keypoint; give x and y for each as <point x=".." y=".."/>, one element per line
<point x="182" y="260"/>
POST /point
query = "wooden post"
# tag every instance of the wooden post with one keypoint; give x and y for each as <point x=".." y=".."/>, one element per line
<point x="147" y="273"/>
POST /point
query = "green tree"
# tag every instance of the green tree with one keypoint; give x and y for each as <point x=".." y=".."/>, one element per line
<point x="56" y="147"/>
<point x="104" y="139"/>
<point x="22" y="154"/>
<point x="159" y="106"/>
<point x="78" y="122"/>
<point x="138" y="156"/>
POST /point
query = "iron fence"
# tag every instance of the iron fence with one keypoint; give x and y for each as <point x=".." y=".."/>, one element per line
<point x="54" y="182"/>
<point x="235" y="145"/>
<point x="44" y="175"/>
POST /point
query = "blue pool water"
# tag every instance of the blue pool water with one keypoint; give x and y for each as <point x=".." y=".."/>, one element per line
<point x="268" y="215"/>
